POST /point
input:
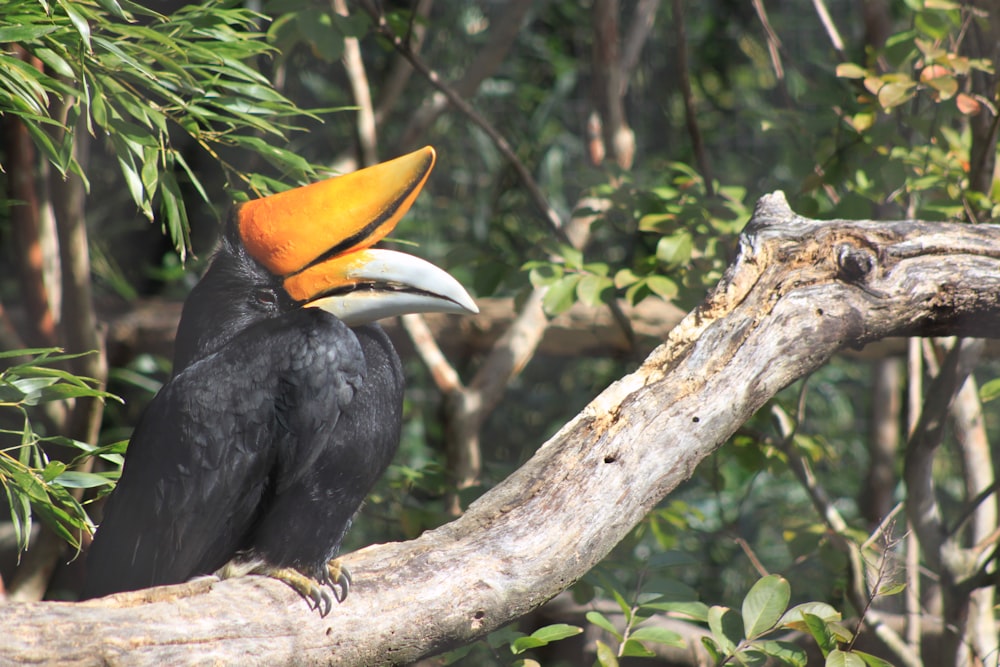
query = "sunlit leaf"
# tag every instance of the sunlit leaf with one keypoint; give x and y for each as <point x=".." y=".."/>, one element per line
<point x="967" y="104"/>
<point x="658" y="635"/>
<point x="561" y="294"/>
<point x="838" y="658"/>
<point x="851" y="71"/>
<point x="601" y="621"/>
<point x="605" y="656"/>
<point x="893" y="94"/>
<point x="764" y="604"/>
<point x="990" y="390"/>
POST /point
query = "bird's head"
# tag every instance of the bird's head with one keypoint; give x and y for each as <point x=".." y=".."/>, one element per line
<point x="311" y="247"/>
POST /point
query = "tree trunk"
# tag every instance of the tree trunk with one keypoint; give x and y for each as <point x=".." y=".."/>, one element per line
<point x="799" y="291"/>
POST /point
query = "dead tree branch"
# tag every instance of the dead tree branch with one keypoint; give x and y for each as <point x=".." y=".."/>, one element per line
<point x="799" y="291"/>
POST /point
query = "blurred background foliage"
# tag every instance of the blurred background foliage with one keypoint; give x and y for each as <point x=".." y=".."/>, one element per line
<point x="170" y="112"/>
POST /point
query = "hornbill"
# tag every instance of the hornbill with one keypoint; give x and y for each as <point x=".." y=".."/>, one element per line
<point x="285" y="402"/>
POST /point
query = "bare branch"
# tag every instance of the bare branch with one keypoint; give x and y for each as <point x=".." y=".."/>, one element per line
<point x="690" y="113"/>
<point x="549" y="214"/>
<point x="355" y="68"/>
<point x="831" y="29"/>
<point x="487" y="61"/>
<point x="824" y="285"/>
<point x="395" y="82"/>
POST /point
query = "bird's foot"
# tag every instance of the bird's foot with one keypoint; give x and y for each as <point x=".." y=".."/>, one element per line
<point x="319" y="593"/>
<point x="340" y="579"/>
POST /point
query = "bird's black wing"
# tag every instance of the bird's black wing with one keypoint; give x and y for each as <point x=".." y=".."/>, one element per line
<point x="206" y="459"/>
<point x="324" y="473"/>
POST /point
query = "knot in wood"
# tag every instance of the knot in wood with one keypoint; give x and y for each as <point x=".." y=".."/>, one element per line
<point x="854" y="263"/>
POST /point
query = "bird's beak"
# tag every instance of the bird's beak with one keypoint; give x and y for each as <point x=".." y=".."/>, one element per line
<point x="319" y="238"/>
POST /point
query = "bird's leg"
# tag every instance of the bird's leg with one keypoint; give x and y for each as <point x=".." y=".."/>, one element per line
<point x="318" y="592"/>
<point x="340" y="577"/>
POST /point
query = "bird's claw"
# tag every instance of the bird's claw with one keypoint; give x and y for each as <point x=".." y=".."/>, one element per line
<point x="339" y="579"/>
<point x="319" y="593"/>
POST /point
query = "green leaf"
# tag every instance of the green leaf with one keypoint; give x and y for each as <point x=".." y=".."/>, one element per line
<point x="990" y="390"/>
<point x="24" y="33"/>
<point x="794" y="617"/>
<point x="662" y="286"/>
<point x="543" y="273"/>
<point x="56" y="62"/>
<point x="522" y="644"/>
<point x="626" y="277"/>
<point x="75" y="479"/>
<point x="561" y="295"/>
<point x="713" y="650"/>
<point x="851" y="71"/>
<point x="30" y="352"/>
<point x="658" y="635"/>
<point x="764" y="604"/>
<point x="872" y="660"/>
<point x="52" y="470"/>
<point x="818" y="629"/>
<point x="726" y="628"/>
<point x="605" y="656"/>
<point x="893" y="94"/>
<point x="675" y="250"/>
<point x="592" y="289"/>
<point x="788" y="653"/>
<point x="555" y="632"/>
<point x="544" y="636"/>
<point x="838" y="658"/>
<point x="78" y="20"/>
<point x="891" y="589"/>
<point x="693" y="609"/>
<point x="633" y="649"/>
<point x="114" y="8"/>
<point x="601" y="621"/>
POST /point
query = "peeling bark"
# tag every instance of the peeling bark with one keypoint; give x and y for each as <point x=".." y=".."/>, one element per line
<point x="799" y="291"/>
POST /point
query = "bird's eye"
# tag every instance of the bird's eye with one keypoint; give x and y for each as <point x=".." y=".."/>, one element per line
<point x="265" y="298"/>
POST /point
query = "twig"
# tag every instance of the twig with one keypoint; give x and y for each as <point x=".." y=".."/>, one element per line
<point x="914" y="397"/>
<point x="395" y="82"/>
<point x="444" y="374"/>
<point x="831" y="29"/>
<point x="773" y="41"/>
<point x="355" y="68"/>
<point x="636" y="35"/>
<point x="502" y="34"/>
<point x="690" y="113"/>
<point x="857" y="592"/>
<point x="549" y="214"/>
<point x="749" y="553"/>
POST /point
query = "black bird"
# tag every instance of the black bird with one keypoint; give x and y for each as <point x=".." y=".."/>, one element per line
<point x="285" y="402"/>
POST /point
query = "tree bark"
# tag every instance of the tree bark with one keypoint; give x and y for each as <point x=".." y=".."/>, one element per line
<point x="799" y="291"/>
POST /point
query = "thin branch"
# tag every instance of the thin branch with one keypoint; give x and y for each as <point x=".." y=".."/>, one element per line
<point x="502" y="34"/>
<point x="355" y="68"/>
<point x="857" y="592"/>
<point x="831" y="29"/>
<point x="445" y="377"/>
<point x="638" y="31"/>
<point x="690" y="113"/>
<point x="911" y="601"/>
<point x="773" y="41"/>
<point x="549" y="214"/>
<point x="395" y="82"/>
<point x="922" y="505"/>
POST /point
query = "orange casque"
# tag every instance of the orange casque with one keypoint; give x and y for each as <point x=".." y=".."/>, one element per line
<point x="288" y="231"/>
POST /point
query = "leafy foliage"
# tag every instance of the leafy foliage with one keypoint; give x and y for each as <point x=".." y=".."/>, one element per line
<point x="31" y="480"/>
<point x="122" y="71"/>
